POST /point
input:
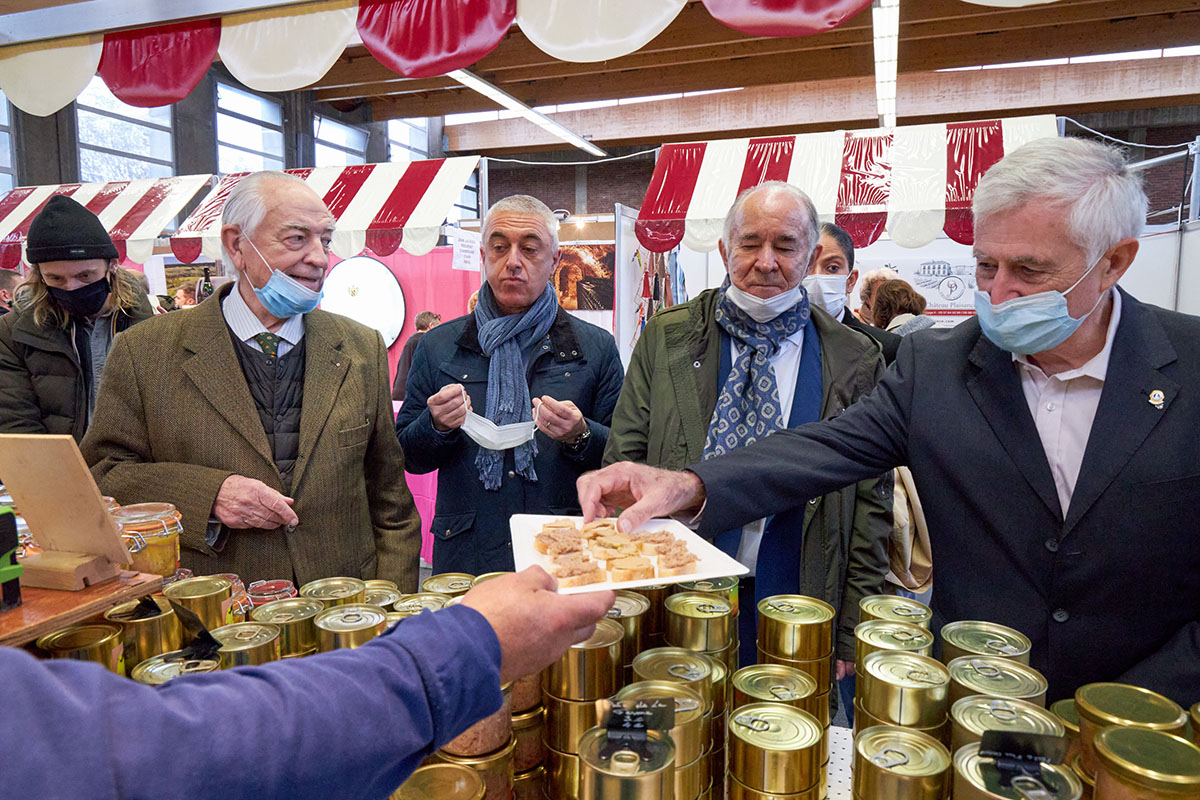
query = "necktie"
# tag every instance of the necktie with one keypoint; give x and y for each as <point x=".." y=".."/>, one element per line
<point x="269" y="343"/>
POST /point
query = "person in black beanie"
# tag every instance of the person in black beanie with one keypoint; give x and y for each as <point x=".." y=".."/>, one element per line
<point x="74" y="301"/>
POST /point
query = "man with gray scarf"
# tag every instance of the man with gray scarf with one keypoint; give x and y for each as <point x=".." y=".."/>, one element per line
<point x="544" y="384"/>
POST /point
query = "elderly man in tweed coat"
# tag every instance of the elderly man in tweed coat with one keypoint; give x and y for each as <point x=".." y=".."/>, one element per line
<point x="267" y="423"/>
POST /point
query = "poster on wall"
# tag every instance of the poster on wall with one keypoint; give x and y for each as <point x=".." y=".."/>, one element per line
<point x="943" y="271"/>
<point x="585" y="280"/>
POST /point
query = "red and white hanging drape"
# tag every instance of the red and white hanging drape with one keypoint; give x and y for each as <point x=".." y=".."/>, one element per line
<point x="133" y="212"/>
<point x="376" y="206"/>
<point x="914" y="181"/>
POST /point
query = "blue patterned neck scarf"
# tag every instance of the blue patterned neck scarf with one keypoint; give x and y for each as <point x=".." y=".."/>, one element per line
<point x="505" y="339"/>
<point x="748" y="407"/>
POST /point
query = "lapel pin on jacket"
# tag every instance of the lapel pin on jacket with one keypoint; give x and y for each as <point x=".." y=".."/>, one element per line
<point x="1156" y="398"/>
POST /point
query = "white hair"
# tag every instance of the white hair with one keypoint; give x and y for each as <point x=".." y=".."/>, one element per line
<point x="524" y="204"/>
<point x="246" y="205"/>
<point x="812" y="223"/>
<point x="1103" y="200"/>
<point x="874" y="277"/>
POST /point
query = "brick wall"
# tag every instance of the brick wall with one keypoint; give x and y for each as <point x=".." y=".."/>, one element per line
<point x="1164" y="184"/>
<point x="622" y="182"/>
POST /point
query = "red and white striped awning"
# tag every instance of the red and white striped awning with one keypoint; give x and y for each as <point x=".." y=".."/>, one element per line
<point x="134" y="212"/>
<point x="915" y="181"/>
<point x="376" y="206"/>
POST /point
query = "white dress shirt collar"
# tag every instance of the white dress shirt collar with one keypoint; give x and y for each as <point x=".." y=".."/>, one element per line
<point x="245" y="325"/>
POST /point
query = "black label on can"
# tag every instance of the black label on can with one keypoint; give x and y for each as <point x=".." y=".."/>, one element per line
<point x="630" y="720"/>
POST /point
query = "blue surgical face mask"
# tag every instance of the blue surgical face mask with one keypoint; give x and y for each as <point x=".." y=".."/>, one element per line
<point x="283" y="296"/>
<point x="1031" y="324"/>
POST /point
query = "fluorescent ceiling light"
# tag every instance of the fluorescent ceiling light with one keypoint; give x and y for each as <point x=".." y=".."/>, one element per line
<point x="473" y="81"/>
<point x="885" y="19"/>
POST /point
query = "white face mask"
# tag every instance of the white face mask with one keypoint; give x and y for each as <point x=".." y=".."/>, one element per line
<point x="827" y="292"/>
<point x="761" y="310"/>
<point x="490" y="436"/>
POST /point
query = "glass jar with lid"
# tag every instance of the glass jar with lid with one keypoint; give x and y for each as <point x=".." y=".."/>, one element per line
<point x="151" y="532"/>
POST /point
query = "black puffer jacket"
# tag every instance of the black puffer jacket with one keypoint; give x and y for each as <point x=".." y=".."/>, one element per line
<point x="41" y="385"/>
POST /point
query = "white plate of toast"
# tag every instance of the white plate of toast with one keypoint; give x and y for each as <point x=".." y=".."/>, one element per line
<point x="587" y="558"/>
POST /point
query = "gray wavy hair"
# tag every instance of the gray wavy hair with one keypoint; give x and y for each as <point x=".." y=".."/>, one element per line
<point x="1103" y="199"/>
<point x="812" y="223"/>
<point x="525" y="204"/>
<point x="246" y="205"/>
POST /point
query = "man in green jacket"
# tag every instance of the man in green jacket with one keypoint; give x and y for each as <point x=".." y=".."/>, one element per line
<point x="741" y="362"/>
<point x="73" y="303"/>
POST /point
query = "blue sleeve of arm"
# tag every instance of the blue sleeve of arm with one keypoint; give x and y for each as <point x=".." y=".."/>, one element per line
<point x="425" y="447"/>
<point x="787" y="468"/>
<point x="352" y="723"/>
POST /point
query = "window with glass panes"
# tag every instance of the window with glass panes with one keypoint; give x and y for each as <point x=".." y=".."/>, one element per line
<point x="408" y="139"/>
<point x="119" y="141"/>
<point x="8" y="168"/>
<point x="338" y="144"/>
<point x="249" y="131"/>
<point x="467" y="206"/>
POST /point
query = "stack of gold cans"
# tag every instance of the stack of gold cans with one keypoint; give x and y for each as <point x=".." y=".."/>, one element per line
<point x="1117" y="705"/>
<point x="976" y="638"/>
<point x="488" y="747"/>
<point x="529" y="734"/>
<point x="1136" y="763"/>
<point x="611" y="771"/>
<point x="588" y="671"/>
<point x="631" y="611"/>
<point x="971" y="716"/>
<point x="654" y="626"/>
<point x="976" y="778"/>
<point x="995" y="676"/>
<point x="797" y="632"/>
<point x="775" y="751"/>
<point x="899" y="764"/>
<point x="656" y="671"/>
<point x="903" y="689"/>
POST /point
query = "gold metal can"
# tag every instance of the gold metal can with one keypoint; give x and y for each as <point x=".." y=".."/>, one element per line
<point x="1137" y="763"/>
<point x="567" y="720"/>
<point x="700" y="621"/>
<point x="1065" y="711"/>
<point x="894" y="608"/>
<point x="774" y="748"/>
<point x="728" y="656"/>
<point x="206" y="597"/>
<point x="88" y="641"/>
<point x="295" y="619"/>
<point x="146" y="637"/>
<point x="820" y="670"/>
<point x="562" y="775"/>
<point x="380" y="583"/>
<point x="495" y="769"/>
<point x="247" y="644"/>
<point x="881" y="634"/>
<point x="487" y="576"/>
<point x="720" y="685"/>
<point x="690" y="734"/>
<point x="451" y="583"/>
<point x="995" y="676"/>
<point x="904" y="688"/>
<point x="624" y="774"/>
<point x="1088" y="780"/>
<point x="697" y="620"/>
<point x="1103" y="704"/>
<point x="677" y="665"/>
<point x="976" y="778"/>
<point x="772" y="683"/>
<point x="863" y="720"/>
<point x="528" y="730"/>
<point x="795" y="627"/>
<point x="629" y="610"/>
<point x="349" y="626"/>
<point x="441" y="782"/>
<point x="974" y="638"/>
<point x="529" y="785"/>
<point x="900" y="763"/>
<point x="656" y="618"/>
<point x="727" y="588"/>
<point x="716" y="767"/>
<point x="411" y="605"/>
<point x="590" y="669"/>
<point x="973" y="715"/>
<point x="736" y="790"/>
<point x="382" y="596"/>
<point x="690" y="779"/>
<point x="159" y="669"/>
<point x="488" y="734"/>
<point x="720" y="723"/>
<point x="335" y="592"/>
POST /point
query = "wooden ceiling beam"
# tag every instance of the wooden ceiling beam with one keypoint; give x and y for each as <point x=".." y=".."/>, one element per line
<point x="850" y="103"/>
